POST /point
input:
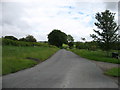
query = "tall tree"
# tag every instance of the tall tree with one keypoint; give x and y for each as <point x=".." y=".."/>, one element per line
<point x="30" y="38"/>
<point x="57" y="38"/>
<point x="107" y="30"/>
<point x="70" y="41"/>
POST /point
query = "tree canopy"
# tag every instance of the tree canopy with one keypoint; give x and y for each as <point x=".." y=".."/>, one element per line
<point x="70" y="41"/>
<point x="83" y="38"/>
<point x="70" y="38"/>
<point x="10" y="37"/>
<point x="57" y="38"/>
<point x="28" y="38"/>
<point x="107" y="30"/>
<point x="22" y="39"/>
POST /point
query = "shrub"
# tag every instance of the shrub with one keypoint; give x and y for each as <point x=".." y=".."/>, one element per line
<point x="80" y="45"/>
<point x="65" y="46"/>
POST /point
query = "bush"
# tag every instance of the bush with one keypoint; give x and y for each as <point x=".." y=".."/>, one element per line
<point x="80" y="45"/>
<point x="92" y="45"/>
<point x="70" y="45"/>
<point x="87" y="45"/>
<point x="65" y="46"/>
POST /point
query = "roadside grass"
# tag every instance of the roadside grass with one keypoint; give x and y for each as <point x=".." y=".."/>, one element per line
<point x="95" y="55"/>
<point x="0" y="60"/>
<point x="14" y="58"/>
<point x="115" y="72"/>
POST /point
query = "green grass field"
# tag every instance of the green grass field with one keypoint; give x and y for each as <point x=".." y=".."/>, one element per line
<point x="14" y="58"/>
<point x="113" y="72"/>
<point x="95" y="55"/>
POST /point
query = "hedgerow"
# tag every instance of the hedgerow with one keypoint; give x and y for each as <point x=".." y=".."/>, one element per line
<point x="23" y="43"/>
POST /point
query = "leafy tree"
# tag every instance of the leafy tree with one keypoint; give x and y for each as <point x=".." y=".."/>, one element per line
<point x="22" y="39"/>
<point x="80" y="45"/>
<point x="70" y="38"/>
<point x="92" y="45"/>
<point x="65" y="46"/>
<point x="107" y="28"/>
<point x="70" y="41"/>
<point x="10" y="37"/>
<point x="57" y="38"/>
<point x="30" y="38"/>
<point x="70" y="44"/>
<point x="83" y="39"/>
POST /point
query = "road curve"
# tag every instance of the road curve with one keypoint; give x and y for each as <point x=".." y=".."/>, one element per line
<point x="63" y="70"/>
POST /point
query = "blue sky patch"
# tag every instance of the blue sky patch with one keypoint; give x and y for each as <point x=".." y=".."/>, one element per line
<point x="80" y="12"/>
<point x="69" y="12"/>
<point x="76" y="18"/>
<point x="70" y="7"/>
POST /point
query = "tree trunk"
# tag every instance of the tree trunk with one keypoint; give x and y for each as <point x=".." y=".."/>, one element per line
<point x="107" y="53"/>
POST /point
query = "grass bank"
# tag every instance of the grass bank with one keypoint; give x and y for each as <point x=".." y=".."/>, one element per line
<point x="95" y="55"/>
<point x="16" y="58"/>
<point x="115" y="72"/>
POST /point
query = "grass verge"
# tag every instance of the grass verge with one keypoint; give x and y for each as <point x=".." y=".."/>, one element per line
<point x="14" y="58"/>
<point x="115" y="72"/>
<point x="95" y="55"/>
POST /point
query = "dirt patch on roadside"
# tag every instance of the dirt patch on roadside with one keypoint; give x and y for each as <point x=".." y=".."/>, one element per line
<point x="34" y="59"/>
<point x="106" y="66"/>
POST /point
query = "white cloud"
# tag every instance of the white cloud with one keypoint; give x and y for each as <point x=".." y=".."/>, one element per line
<point x="40" y="17"/>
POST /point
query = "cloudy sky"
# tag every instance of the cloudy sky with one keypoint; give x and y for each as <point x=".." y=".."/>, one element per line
<point x="39" y="17"/>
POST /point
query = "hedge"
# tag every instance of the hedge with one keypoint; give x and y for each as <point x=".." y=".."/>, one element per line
<point x="23" y="43"/>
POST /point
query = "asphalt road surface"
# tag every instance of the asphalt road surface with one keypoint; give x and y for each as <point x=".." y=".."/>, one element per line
<point x="63" y="70"/>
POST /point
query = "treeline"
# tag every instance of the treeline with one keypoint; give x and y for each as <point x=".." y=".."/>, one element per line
<point x="28" y="38"/>
<point x="94" y="45"/>
<point x="87" y="45"/>
<point x="11" y="40"/>
<point x="91" y="45"/>
<point x="62" y="40"/>
<point x="83" y="45"/>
